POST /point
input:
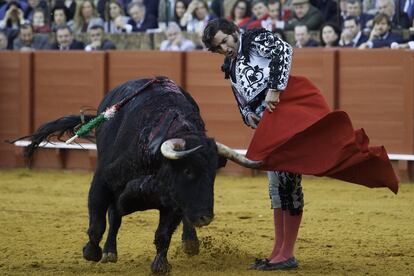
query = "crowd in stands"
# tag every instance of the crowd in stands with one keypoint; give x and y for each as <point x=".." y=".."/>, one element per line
<point x="54" y="24"/>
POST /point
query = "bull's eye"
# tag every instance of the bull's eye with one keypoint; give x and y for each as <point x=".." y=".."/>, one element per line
<point x="188" y="173"/>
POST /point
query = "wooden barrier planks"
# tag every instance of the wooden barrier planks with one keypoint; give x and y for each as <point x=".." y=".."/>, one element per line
<point x="319" y="65"/>
<point x="375" y="89"/>
<point x="63" y="83"/>
<point x="15" y="103"/>
<point x="129" y="65"/>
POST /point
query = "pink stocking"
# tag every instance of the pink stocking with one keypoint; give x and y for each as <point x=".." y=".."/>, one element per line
<point x="279" y="231"/>
<point x="292" y="224"/>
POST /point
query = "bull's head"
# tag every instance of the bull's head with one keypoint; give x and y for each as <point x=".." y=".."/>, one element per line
<point x="192" y="174"/>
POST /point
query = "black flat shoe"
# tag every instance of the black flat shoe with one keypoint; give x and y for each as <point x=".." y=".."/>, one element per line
<point x="258" y="262"/>
<point x="290" y="263"/>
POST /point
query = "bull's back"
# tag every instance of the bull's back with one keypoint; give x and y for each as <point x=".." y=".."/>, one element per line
<point x="133" y="123"/>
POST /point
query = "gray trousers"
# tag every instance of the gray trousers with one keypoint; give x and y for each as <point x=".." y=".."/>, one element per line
<point x="285" y="191"/>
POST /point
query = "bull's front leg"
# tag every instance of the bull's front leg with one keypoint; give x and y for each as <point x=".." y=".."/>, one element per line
<point x="190" y="242"/>
<point x="169" y="220"/>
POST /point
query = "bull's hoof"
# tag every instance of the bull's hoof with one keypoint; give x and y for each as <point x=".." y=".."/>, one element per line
<point x="160" y="265"/>
<point x="191" y="247"/>
<point x="109" y="257"/>
<point x="92" y="252"/>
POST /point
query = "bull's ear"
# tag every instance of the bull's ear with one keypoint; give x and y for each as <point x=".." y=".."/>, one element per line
<point x="222" y="161"/>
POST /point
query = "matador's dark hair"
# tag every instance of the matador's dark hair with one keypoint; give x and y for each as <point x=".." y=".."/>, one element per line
<point x="215" y="25"/>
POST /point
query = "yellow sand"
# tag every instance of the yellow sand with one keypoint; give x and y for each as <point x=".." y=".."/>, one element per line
<point x="347" y="229"/>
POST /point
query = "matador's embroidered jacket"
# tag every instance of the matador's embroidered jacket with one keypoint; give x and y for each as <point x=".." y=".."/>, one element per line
<point x="263" y="61"/>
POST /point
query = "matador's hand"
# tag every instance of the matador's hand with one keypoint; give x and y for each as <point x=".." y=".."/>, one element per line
<point x="252" y="120"/>
<point x="272" y="99"/>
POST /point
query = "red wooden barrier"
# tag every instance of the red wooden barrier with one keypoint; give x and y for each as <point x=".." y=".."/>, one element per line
<point x="15" y="103"/>
<point x="376" y="89"/>
<point x="319" y="65"/>
<point x="129" y="65"/>
<point x="64" y="82"/>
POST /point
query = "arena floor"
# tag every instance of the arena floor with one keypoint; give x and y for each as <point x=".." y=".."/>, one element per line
<point x="346" y="230"/>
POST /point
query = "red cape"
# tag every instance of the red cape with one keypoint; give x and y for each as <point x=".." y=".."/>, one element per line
<point x="304" y="136"/>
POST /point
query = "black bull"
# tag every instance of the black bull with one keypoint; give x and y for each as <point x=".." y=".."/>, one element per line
<point x="154" y="154"/>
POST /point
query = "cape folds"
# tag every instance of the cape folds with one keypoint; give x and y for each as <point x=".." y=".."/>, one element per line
<point x="304" y="136"/>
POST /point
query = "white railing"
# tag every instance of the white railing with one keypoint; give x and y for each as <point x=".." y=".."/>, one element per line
<point x="91" y="146"/>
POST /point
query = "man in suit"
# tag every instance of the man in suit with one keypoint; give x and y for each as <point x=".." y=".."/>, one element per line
<point x="354" y="8"/>
<point x="27" y="40"/>
<point x="352" y="35"/>
<point x="407" y="7"/>
<point x="3" y="40"/>
<point x="261" y="13"/>
<point x="96" y="36"/>
<point x="65" y="40"/>
<point x="303" y="38"/>
<point x="140" y="19"/>
<point x="381" y="35"/>
<point x="304" y="14"/>
<point x="398" y="20"/>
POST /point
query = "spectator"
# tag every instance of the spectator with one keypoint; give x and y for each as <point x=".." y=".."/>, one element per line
<point x="241" y="14"/>
<point x="274" y="21"/>
<point x="398" y="21"/>
<point x="13" y="18"/>
<point x="86" y="17"/>
<point x="381" y="35"/>
<point x="117" y="21"/>
<point x="4" y="41"/>
<point x="303" y="38"/>
<point x="342" y="7"/>
<point x="140" y="19"/>
<point x="65" y="40"/>
<point x="180" y="8"/>
<point x="70" y="6"/>
<point x="407" y="7"/>
<point x="60" y="15"/>
<point x="175" y="41"/>
<point x="39" y="22"/>
<point x="33" y="5"/>
<point x="329" y="35"/>
<point x="5" y="5"/>
<point x="27" y="40"/>
<point x="260" y="12"/>
<point x="352" y="35"/>
<point x="217" y="7"/>
<point x="166" y="10"/>
<point x="304" y="14"/>
<point x="408" y="45"/>
<point x="354" y="8"/>
<point x="197" y="16"/>
<point x="369" y="6"/>
<point x="328" y="9"/>
<point x="96" y="37"/>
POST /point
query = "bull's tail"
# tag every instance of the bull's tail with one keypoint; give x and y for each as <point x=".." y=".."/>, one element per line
<point x="56" y="128"/>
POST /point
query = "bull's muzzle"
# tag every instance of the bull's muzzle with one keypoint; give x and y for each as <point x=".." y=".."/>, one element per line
<point x="203" y="221"/>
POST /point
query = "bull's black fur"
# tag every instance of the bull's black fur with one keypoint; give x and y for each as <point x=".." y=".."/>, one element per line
<point x="133" y="175"/>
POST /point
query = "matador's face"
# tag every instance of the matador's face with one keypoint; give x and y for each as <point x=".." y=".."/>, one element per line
<point x="226" y="44"/>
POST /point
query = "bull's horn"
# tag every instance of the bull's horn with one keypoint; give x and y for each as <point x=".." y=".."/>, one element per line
<point x="174" y="149"/>
<point x="240" y="159"/>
